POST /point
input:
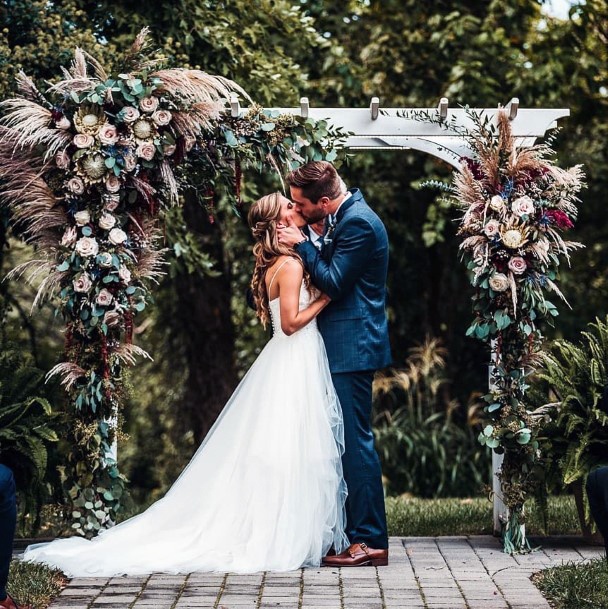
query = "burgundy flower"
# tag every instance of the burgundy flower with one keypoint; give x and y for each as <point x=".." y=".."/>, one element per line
<point x="559" y="218"/>
<point x="473" y="166"/>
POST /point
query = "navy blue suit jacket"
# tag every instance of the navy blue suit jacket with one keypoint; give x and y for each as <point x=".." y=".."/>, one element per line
<point x="351" y="269"/>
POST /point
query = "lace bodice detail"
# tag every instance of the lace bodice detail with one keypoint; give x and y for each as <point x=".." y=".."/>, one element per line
<point x="306" y="297"/>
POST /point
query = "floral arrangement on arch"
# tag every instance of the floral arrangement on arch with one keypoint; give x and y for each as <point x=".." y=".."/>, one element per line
<point x="517" y="204"/>
<point x="87" y="169"/>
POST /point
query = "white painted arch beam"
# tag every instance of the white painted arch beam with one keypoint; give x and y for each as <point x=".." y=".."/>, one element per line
<point x="527" y="123"/>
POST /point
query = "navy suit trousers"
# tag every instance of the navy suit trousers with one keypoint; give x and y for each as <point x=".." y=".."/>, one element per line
<point x="597" y="491"/>
<point x="8" y="519"/>
<point x="366" y="515"/>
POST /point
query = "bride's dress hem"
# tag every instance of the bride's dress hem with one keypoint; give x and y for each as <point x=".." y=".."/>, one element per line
<point x="264" y="491"/>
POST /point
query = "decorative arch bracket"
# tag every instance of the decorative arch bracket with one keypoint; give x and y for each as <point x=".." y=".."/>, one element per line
<point x="387" y="129"/>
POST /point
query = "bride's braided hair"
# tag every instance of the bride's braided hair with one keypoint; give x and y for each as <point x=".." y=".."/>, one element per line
<point x="263" y="217"/>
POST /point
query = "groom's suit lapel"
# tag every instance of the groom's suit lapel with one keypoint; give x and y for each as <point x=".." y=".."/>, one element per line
<point x="330" y="232"/>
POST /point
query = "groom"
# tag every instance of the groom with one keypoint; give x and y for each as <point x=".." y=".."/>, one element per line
<point x="351" y="269"/>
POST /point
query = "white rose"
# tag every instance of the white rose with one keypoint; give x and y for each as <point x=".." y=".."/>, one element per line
<point x="117" y="236"/>
<point x="148" y="104"/>
<point x="75" y="186"/>
<point x="107" y="221"/>
<point x="113" y="183"/>
<point x="82" y="283"/>
<point x="87" y="246"/>
<point x="105" y="259"/>
<point x="146" y="151"/>
<point x="82" y="140"/>
<point x="497" y="203"/>
<point x="63" y="123"/>
<point x="518" y="265"/>
<point x="124" y="273"/>
<point x="62" y="159"/>
<point x="499" y="282"/>
<point x="108" y="134"/>
<point x="111" y="202"/>
<point x="129" y="114"/>
<point x="491" y="228"/>
<point x="82" y="217"/>
<point x="104" y="298"/>
<point x="523" y="206"/>
<point x="69" y="236"/>
<point x="162" y="117"/>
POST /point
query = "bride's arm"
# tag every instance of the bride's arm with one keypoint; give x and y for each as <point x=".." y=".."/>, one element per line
<point x="289" y="281"/>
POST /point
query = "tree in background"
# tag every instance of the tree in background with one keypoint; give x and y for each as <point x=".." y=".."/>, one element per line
<point x="409" y="54"/>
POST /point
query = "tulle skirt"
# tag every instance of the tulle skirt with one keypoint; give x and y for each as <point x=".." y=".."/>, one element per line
<point x="264" y="491"/>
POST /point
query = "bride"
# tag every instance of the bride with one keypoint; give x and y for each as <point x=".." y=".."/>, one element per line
<point x="264" y="491"/>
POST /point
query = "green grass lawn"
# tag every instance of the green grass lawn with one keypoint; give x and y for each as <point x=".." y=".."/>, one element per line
<point x="430" y="517"/>
<point x="576" y="586"/>
<point x="34" y="584"/>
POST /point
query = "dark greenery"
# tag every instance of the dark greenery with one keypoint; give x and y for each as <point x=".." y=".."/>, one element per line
<point x="27" y="424"/>
<point x="339" y="54"/>
<point x="573" y="380"/>
<point x="424" y="450"/>
<point x="576" y="585"/>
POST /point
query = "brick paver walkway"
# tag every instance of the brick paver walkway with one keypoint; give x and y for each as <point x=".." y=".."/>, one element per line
<point x="424" y="572"/>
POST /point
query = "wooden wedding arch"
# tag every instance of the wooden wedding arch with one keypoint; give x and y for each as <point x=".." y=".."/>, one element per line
<point x="374" y="128"/>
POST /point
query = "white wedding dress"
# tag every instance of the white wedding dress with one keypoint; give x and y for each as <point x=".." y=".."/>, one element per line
<point x="264" y="492"/>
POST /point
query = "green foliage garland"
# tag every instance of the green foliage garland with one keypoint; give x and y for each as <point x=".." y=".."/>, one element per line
<point x="88" y="169"/>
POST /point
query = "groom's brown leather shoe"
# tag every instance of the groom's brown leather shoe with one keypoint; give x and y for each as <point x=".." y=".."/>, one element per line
<point x="358" y="555"/>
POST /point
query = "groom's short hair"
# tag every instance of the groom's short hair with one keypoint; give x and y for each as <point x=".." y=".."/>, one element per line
<point x="316" y="179"/>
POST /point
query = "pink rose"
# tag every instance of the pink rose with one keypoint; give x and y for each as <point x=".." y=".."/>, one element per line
<point x="117" y="236"/>
<point x="518" y="265"/>
<point x="87" y="246"/>
<point x="162" y="117"/>
<point x="107" y="221"/>
<point x="104" y="298"/>
<point x="148" y="104"/>
<point x="82" y="140"/>
<point x="113" y="183"/>
<point x="108" y="134"/>
<point x="523" y="206"/>
<point x="76" y="186"/>
<point x="62" y="159"/>
<point x="82" y="217"/>
<point x="82" y="283"/>
<point x="69" y="236"/>
<point x="491" y="228"/>
<point x="146" y="151"/>
<point x="129" y="114"/>
<point x="111" y="202"/>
